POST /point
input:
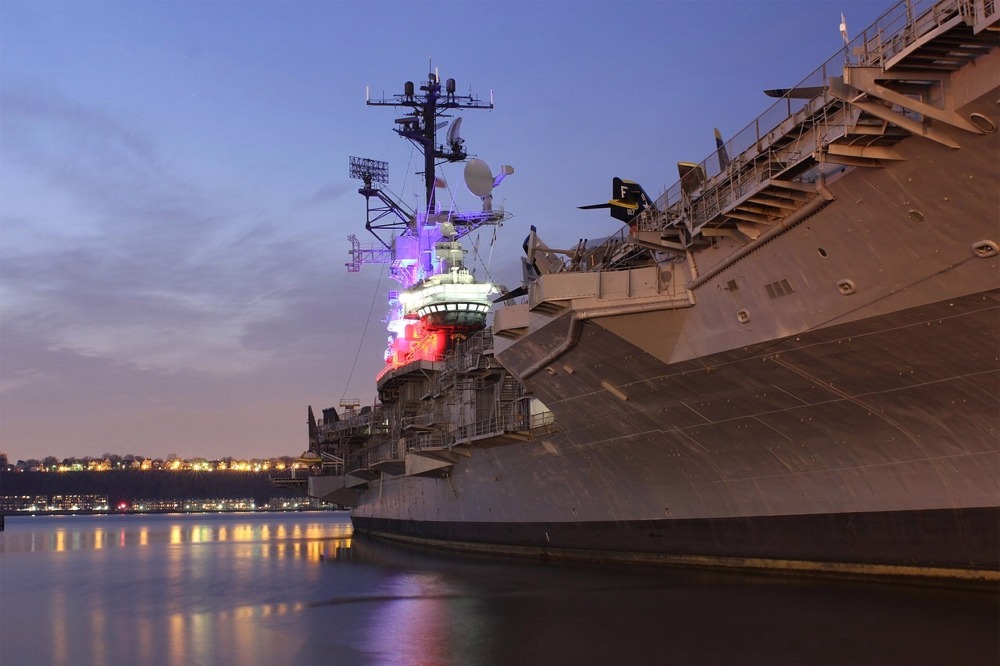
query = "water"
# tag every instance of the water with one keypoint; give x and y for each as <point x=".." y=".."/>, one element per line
<point x="214" y="590"/>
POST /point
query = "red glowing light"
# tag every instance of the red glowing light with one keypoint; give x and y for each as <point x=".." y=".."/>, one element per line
<point x="417" y="343"/>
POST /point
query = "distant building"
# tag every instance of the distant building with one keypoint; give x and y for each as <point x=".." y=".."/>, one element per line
<point x="23" y="503"/>
<point x="78" y="503"/>
<point x="179" y="505"/>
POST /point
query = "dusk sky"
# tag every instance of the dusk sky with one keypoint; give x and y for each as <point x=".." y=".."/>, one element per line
<point x="175" y="200"/>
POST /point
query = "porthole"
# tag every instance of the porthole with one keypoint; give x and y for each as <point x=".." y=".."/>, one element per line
<point x="846" y="287"/>
<point x="984" y="249"/>
<point x="983" y="123"/>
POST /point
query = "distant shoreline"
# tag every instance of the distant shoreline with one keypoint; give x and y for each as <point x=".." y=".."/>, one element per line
<point x="92" y="512"/>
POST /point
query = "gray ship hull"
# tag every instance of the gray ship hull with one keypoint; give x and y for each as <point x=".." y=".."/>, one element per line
<point x="934" y="543"/>
<point x="805" y="373"/>
<point x="884" y="456"/>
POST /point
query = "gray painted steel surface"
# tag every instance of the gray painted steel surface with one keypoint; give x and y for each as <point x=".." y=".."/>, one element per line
<point x="806" y="372"/>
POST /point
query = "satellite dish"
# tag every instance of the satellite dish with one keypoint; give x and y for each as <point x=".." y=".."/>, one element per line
<point x="453" y="136"/>
<point x="478" y="178"/>
<point x="505" y="171"/>
<point x="447" y="229"/>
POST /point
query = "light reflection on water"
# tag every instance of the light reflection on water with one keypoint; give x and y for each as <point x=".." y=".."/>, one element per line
<point x="68" y="533"/>
<point x="291" y="589"/>
<point x="421" y="614"/>
<point x="169" y="589"/>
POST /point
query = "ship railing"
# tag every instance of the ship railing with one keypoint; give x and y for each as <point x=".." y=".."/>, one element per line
<point x="542" y="421"/>
<point x="382" y="453"/>
<point x="466" y="354"/>
<point x="417" y="354"/>
<point x="354" y="463"/>
<point x="894" y="32"/>
<point x="468" y="221"/>
<point x="333" y="470"/>
<point x="357" y="419"/>
<point x="470" y="384"/>
<point x="460" y="382"/>
<point x="754" y="158"/>
<point x="356" y="425"/>
<point x="292" y="476"/>
<point x="480" y="429"/>
<point x="332" y="464"/>
<point x="744" y="181"/>
<point x="428" y="441"/>
<point x="499" y="425"/>
<point x="437" y="414"/>
<point x="613" y="253"/>
<point x="986" y="14"/>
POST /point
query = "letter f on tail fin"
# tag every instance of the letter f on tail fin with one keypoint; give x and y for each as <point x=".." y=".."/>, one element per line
<point x="629" y="200"/>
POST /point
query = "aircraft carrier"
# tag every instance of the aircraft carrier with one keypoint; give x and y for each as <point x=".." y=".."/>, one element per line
<point x="788" y="360"/>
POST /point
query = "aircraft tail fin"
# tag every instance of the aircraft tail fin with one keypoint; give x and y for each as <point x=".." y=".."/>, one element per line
<point x="629" y="200"/>
<point x="802" y="92"/>
<point x="720" y="148"/>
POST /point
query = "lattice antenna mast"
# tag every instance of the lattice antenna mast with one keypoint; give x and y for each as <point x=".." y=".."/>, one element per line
<point x="421" y="124"/>
<point x="375" y="171"/>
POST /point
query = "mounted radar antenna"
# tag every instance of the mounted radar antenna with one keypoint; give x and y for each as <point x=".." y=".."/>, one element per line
<point x="480" y="180"/>
<point x="375" y="171"/>
<point x="427" y="104"/>
<point x="370" y="171"/>
<point x="455" y="140"/>
<point x="422" y="243"/>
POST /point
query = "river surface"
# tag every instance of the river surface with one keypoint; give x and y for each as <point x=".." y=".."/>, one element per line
<point x="299" y="588"/>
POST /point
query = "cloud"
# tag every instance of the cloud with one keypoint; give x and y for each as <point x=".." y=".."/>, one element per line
<point x="142" y="267"/>
<point x="331" y="191"/>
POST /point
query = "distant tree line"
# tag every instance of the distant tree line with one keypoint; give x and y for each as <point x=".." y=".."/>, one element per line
<point x="113" y="461"/>
<point x="128" y="485"/>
